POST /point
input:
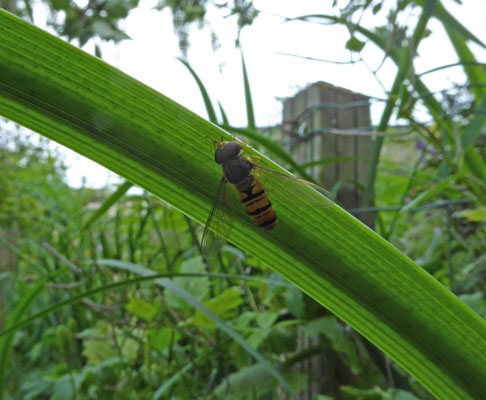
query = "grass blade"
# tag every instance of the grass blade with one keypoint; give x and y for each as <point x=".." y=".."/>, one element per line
<point x="117" y="195"/>
<point x="250" y="112"/>
<point x="204" y="93"/>
<point x="224" y="117"/>
<point x="473" y="131"/>
<point x="451" y="23"/>
<point x="474" y="71"/>
<point x="404" y="66"/>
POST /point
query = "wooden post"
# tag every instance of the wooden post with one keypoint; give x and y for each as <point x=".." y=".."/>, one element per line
<point x="318" y="121"/>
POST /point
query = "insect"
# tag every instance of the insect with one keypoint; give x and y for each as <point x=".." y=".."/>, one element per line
<point x="240" y="172"/>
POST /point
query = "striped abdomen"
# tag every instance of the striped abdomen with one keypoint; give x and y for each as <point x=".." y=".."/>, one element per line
<point x="258" y="205"/>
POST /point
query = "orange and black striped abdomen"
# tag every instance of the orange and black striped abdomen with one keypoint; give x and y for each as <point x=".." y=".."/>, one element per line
<point x="258" y="205"/>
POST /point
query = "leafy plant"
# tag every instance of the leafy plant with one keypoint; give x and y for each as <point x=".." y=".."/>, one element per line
<point x="154" y="143"/>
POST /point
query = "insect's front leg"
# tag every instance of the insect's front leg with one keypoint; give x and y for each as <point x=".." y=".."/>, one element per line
<point x="251" y="165"/>
<point x="253" y="156"/>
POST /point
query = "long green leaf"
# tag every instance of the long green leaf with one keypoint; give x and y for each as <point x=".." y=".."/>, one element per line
<point x="224" y="117"/>
<point x="474" y="71"/>
<point x="117" y="195"/>
<point x="404" y="67"/>
<point x="473" y="130"/>
<point x="473" y="159"/>
<point x="449" y="22"/>
<point x="430" y="193"/>
<point x="79" y="101"/>
<point x="250" y="112"/>
<point x="204" y="92"/>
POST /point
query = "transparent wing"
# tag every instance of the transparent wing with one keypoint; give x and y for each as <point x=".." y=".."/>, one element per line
<point x="220" y="222"/>
<point x="293" y="191"/>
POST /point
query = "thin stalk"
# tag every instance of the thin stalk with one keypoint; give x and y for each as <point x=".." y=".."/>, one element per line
<point x="404" y="66"/>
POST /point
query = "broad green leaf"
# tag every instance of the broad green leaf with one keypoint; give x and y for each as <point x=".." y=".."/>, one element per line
<point x="79" y="101"/>
<point x="257" y="337"/>
<point x="103" y="30"/>
<point x="266" y="319"/>
<point x="476" y="301"/>
<point x="354" y="44"/>
<point x="339" y="341"/>
<point x="223" y="306"/>
<point x="66" y="387"/>
<point x="376" y="8"/>
<point x="199" y="288"/>
<point x="60" y="4"/>
<point x="36" y="385"/>
<point x="295" y="301"/>
<point x="163" y="337"/>
<point x="475" y="214"/>
<point x="141" y="309"/>
<point x="98" y="345"/>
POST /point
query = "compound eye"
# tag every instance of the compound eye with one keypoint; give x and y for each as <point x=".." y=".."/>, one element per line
<point x="232" y="149"/>
<point x="228" y="151"/>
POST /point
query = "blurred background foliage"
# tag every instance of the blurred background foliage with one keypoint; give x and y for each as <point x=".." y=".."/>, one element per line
<point x="140" y="340"/>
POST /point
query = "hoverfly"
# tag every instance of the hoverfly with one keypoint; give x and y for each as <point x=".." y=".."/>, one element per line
<point x="240" y="172"/>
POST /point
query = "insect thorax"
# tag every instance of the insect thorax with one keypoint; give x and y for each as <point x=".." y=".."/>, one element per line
<point x="236" y="171"/>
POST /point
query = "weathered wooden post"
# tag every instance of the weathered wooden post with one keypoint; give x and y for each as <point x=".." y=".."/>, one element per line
<point x="327" y="128"/>
<point x="330" y="126"/>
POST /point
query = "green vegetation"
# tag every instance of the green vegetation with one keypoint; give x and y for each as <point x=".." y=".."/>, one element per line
<point x="107" y="296"/>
